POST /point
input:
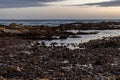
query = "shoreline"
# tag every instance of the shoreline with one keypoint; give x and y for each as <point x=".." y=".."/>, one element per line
<point x="23" y="56"/>
<point x="61" y="30"/>
<point x="53" y="22"/>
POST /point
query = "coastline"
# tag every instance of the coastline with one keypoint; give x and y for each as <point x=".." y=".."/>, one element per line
<point x="53" y="22"/>
<point x="23" y="56"/>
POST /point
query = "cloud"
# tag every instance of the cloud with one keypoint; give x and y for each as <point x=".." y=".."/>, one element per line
<point x="24" y="3"/>
<point x="113" y="3"/>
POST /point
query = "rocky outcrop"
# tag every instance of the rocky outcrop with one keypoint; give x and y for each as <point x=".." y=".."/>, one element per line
<point x="49" y="33"/>
<point x="14" y="26"/>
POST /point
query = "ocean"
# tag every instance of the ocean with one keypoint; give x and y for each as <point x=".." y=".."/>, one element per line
<point x="55" y="22"/>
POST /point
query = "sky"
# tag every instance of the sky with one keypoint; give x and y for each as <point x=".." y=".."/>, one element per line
<point x="59" y="9"/>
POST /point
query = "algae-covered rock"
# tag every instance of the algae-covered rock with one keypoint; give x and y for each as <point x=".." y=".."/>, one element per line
<point x="12" y="25"/>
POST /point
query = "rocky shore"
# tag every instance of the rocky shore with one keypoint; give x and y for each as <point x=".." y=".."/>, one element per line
<point x="50" y="33"/>
<point x="24" y="57"/>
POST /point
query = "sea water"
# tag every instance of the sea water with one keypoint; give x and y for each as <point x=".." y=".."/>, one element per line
<point x="55" y="22"/>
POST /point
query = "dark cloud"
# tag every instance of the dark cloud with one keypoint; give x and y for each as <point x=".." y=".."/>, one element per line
<point x="24" y="3"/>
<point x="112" y="3"/>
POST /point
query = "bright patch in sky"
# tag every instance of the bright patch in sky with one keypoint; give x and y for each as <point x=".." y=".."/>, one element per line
<point x="75" y="2"/>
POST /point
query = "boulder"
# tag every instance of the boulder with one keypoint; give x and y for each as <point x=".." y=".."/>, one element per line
<point x="20" y="25"/>
<point x="12" y="25"/>
<point x="2" y="29"/>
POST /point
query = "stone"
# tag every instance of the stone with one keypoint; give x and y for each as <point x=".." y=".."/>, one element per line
<point x="14" y="68"/>
<point x="12" y="25"/>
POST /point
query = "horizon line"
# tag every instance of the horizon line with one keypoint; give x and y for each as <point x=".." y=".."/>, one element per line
<point x="68" y="19"/>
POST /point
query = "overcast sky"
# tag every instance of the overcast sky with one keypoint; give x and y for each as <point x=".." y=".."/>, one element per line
<point x="59" y="9"/>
